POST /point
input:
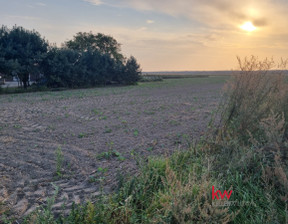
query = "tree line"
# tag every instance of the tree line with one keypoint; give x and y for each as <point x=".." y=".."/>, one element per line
<point x="87" y="60"/>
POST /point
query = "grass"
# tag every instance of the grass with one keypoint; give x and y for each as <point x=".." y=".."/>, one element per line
<point x="178" y="190"/>
<point x="101" y="91"/>
<point x="255" y="95"/>
<point x="44" y="215"/>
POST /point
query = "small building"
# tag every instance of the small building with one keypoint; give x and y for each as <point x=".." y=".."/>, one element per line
<point x="2" y="79"/>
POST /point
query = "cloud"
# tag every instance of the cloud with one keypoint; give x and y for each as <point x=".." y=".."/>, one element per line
<point x="40" y="4"/>
<point x="211" y="13"/>
<point x="15" y="17"/>
<point x="210" y="31"/>
<point x="142" y="28"/>
<point x="94" y="2"/>
<point x="260" y="22"/>
<point x="150" y="21"/>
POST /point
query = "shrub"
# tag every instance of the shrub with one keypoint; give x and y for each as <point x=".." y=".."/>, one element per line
<point x="250" y="148"/>
<point x="253" y="96"/>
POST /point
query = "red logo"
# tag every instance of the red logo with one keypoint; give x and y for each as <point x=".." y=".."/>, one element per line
<point x="215" y="194"/>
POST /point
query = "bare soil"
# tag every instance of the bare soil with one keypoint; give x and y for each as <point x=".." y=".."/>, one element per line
<point x="101" y="132"/>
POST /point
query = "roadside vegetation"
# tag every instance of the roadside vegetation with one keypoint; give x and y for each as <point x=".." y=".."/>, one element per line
<point x="245" y="150"/>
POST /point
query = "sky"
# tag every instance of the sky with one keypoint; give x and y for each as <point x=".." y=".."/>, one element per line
<point x="164" y="35"/>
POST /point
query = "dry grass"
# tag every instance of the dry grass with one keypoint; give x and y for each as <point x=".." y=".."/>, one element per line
<point x="253" y="96"/>
<point x="190" y="202"/>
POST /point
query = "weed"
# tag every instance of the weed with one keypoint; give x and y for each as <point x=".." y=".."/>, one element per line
<point x="110" y="154"/>
<point x="124" y="122"/>
<point x="108" y="130"/>
<point x="3" y="210"/>
<point x="253" y="95"/>
<point x="133" y="152"/>
<point x="103" y="118"/>
<point x="45" y="215"/>
<point x="135" y="132"/>
<point x="17" y="126"/>
<point x="151" y="148"/>
<point x="82" y="135"/>
<point x="99" y="177"/>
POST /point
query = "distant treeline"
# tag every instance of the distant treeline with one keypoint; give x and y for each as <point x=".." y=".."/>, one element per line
<point x="85" y="61"/>
<point x="195" y="74"/>
<point x="190" y="74"/>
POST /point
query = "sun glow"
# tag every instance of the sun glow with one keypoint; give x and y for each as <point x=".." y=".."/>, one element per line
<point x="248" y="26"/>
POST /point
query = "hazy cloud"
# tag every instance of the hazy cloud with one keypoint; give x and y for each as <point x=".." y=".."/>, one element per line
<point x="23" y="17"/>
<point x="164" y="34"/>
<point x="260" y="22"/>
<point x="212" y="13"/>
<point x="94" y="2"/>
<point x="40" y="4"/>
<point x="214" y="31"/>
<point x="150" y="21"/>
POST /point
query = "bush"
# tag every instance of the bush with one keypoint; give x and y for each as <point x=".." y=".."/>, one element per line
<point x="254" y="95"/>
<point x="250" y="146"/>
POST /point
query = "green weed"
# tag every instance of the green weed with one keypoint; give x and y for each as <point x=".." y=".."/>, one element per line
<point x="135" y="132"/>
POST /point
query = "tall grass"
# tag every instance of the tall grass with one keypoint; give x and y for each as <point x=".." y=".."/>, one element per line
<point x="252" y="139"/>
<point x="256" y="94"/>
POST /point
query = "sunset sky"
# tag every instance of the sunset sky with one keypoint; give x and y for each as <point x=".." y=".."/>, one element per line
<point x="164" y="35"/>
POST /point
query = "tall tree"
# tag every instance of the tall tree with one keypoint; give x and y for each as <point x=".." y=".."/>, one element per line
<point x="132" y="71"/>
<point x="21" y="52"/>
<point x="61" y="68"/>
<point x="102" y="43"/>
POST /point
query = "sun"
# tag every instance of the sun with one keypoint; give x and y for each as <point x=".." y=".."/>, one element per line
<point x="248" y="26"/>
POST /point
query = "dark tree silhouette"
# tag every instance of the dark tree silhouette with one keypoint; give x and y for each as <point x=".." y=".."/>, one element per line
<point x="86" y="61"/>
<point x="21" y="52"/>
<point x="100" y="42"/>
